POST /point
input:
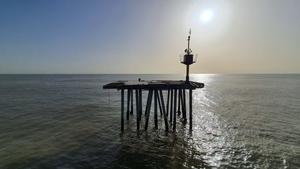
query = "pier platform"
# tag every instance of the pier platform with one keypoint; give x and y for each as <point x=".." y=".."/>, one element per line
<point x="154" y="84"/>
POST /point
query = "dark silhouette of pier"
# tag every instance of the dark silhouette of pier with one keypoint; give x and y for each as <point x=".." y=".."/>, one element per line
<point x="175" y="105"/>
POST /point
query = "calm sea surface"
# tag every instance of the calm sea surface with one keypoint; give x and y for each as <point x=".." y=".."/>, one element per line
<point x="69" y="121"/>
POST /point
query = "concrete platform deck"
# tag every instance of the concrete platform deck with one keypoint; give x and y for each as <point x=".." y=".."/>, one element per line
<point x="154" y="84"/>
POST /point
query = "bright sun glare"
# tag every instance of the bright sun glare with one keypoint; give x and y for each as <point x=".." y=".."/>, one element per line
<point x="207" y="15"/>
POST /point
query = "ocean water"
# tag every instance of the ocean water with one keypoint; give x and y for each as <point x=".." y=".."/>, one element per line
<point x="70" y="122"/>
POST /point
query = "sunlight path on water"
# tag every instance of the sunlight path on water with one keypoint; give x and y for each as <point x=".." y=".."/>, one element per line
<point x="211" y="134"/>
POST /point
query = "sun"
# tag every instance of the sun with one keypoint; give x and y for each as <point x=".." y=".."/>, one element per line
<point x="207" y="15"/>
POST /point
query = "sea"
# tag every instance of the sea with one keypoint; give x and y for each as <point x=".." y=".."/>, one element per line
<point x="70" y="122"/>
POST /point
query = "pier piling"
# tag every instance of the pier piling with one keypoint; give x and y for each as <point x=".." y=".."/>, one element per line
<point x="168" y="102"/>
<point x="162" y="105"/>
<point x="175" y="101"/>
<point x="171" y="107"/>
<point x="179" y="102"/>
<point x="131" y="100"/>
<point x="128" y="104"/>
<point x="183" y="106"/>
<point x="155" y="109"/>
<point x="140" y="104"/>
<point x="175" y="112"/>
<point x="191" y="108"/>
<point x="148" y="108"/>
<point x="122" y="110"/>
<point x="137" y="109"/>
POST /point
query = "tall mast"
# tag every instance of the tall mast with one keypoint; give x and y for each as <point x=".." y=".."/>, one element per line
<point x="189" y="38"/>
<point x="187" y="77"/>
<point x="188" y="58"/>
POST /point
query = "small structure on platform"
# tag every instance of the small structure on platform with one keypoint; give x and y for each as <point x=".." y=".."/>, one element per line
<point x="170" y="108"/>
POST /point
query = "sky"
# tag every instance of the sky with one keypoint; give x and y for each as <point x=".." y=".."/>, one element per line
<point x="139" y="36"/>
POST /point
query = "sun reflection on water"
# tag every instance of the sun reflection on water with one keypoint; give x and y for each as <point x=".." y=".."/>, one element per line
<point x="210" y="132"/>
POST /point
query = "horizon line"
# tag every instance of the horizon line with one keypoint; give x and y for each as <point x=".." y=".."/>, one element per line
<point x="147" y="73"/>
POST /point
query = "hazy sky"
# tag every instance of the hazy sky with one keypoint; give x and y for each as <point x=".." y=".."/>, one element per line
<point x="139" y="36"/>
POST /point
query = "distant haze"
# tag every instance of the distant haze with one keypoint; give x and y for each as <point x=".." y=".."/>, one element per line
<point x="139" y="36"/>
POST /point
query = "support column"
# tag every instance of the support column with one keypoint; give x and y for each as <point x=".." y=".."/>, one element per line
<point x="128" y="104"/>
<point x="155" y="109"/>
<point x="163" y="109"/>
<point x="168" y="102"/>
<point x="191" y="108"/>
<point x="179" y="102"/>
<point x="131" y="98"/>
<point x="122" y="110"/>
<point x="187" y="78"/>
<point x="171" y="107"/>
<point x="175" y="113"/>
<point x="147" y="103"/>
<point x="140" y="104"/>
<point x="148" y="108"/>
<point x="184" y="105"/>
<point x="137" y="109"/>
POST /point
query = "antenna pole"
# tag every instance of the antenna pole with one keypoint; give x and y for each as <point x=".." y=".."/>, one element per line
<point x="189" y="38"/>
